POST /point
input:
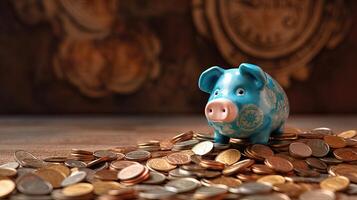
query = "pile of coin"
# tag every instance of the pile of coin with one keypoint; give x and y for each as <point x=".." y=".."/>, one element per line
<point x="304" y="165"/>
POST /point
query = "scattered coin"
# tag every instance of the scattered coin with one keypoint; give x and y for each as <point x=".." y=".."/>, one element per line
<point x="178" y="158"/>
<point x="160" y="164"/>
<point x="203" y="148"/>
<point x="182" y="185"/>
<point x="6" y="187"/>
<point x="300" y="150"/>
<point x="52" y="176"/>
<point x="317" y="195"/>
<point x="229" y="156"/>
<point x="76" y="177"/>
<point x="279" y="164"/>
<point x="138" y="155"/>
<point x="131" y="171"/>
<point x="78" y="190"/>
<point x="272" y="179"/>
<point x="31" y="184"/>
<point x="7" y="172"/>
<point x="335" y="183"/>
<point x="314" y="164"/>
<point x="13" y="165"/>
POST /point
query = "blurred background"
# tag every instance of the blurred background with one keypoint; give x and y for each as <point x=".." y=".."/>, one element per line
<point x="145" y="56"/>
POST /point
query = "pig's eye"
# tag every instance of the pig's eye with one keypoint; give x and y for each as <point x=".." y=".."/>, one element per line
<point x="240" y="91"/>
<point x="216" y="93"/>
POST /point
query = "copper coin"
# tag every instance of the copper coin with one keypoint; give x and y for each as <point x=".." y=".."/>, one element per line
<point x="225" y="180"/>
<point x="279" y="164"/>
<point x="261" y="151"/>
<point x="141" y="178"/>
<point x="272" y="179"/>
<point x="335" y="183"/>
<point x="335" y="141"/>
<point x="106" y="175"/>
<point x="229" y="156"/>
<point x="121" y="164"/>
<point x="317" y="195"/>
<point x="211" y="164"/>
<point x="299" y="150"/>
<point x="182" y="137"/>
<point x="319" y="147"/>
<point x="80" y="151"/>
<point x="316" y="163"/>
<point x="60" y="168"/>
<point x="60" y="159"/>
<point x="300" y="165"/>
<point x="347" y="134"/>
<point x="160" y="164"/>
<point x="6" y="187"/>
<point x="291" y="189"/>
<point x="237" y="167"/>
<point x="345" y="154"/>
<point x="52" y="176"/>
<point x="131" y="171"/>
<point x="178" y="158"/>
<point x="138" y="155"/>
<point x="262" y="169"/>
<point x="7" y="172"/>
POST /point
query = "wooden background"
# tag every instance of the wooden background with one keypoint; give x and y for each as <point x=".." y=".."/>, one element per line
<point x="28" y="84"/>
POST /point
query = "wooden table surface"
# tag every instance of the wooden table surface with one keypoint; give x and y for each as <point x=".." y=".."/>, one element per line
<point x="50" y="136"/>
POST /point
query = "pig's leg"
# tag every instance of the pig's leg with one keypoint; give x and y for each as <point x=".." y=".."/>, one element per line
<point x="279" y="130"/>
<point x="261" y="137"/>
<point x="219" y="138"/>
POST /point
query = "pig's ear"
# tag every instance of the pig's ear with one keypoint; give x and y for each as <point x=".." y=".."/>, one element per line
<point x="209" y="78"/>
<point x="254" y="72"/>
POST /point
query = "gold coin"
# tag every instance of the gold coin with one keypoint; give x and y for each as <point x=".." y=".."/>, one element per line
<point x="272" y="179"/>
<point x="160" y="164"/>
<point x="102" y="187"/>
<point x="229" y="156"/>
<point x="226" y="180"/>
<point x="6" y="187"/>
<point x="348" y="134"/>
<point x="7" y="172"/>
<point x="52" y="176"/>
<point x="60" y="168"/>
<point x="335" y="183"/>
<point x="77" y="190"/>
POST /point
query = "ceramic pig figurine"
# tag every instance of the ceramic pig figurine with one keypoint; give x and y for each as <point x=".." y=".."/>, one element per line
<point x="244" y="102"/>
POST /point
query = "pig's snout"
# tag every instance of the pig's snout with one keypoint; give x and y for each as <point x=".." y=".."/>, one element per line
<point x="221" y="110"/>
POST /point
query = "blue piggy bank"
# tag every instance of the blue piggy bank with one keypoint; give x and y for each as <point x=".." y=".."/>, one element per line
<point x="244" y="102"/>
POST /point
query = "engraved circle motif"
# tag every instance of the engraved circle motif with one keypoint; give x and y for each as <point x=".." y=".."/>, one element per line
<point x="250" y="118"/>
<point x="269" y="29"/>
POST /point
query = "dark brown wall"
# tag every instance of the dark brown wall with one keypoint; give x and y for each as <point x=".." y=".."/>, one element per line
<point x="28" y="84"/>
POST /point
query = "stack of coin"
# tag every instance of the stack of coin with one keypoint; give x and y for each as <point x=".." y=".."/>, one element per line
<point x="152" y="145"/>
<point x="82" y="155"/>
<point x="304" y="165"/>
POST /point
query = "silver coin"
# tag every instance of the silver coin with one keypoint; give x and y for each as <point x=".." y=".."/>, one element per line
<point x="322" y="130"/>
<point x="74" y="178"/>
<point x="31" y="184"/>
<point x="13" y="165"/>
<point x="251" y="188"/>
<point x="218" y="146"/>
<point x="75" y="163"/>
<point x="24" y="170"/>
<point x="143" y="187"/>
<point x="203" y="148"/>
<point x="299" y="179"/>
<point x="178" y="173"/>
<point x="317" y="195"/>
<point x="90" y="174"/>
<point x="156" y="194"/>
<point x="352" y="189"/>
<point x="138" y="155"/>
<point x="187" y="143"/>
<point x="105" y="153"/>
<point x="155" y="178"/>
<point x="182" y="185"/>
<point x="26" y="159"/>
